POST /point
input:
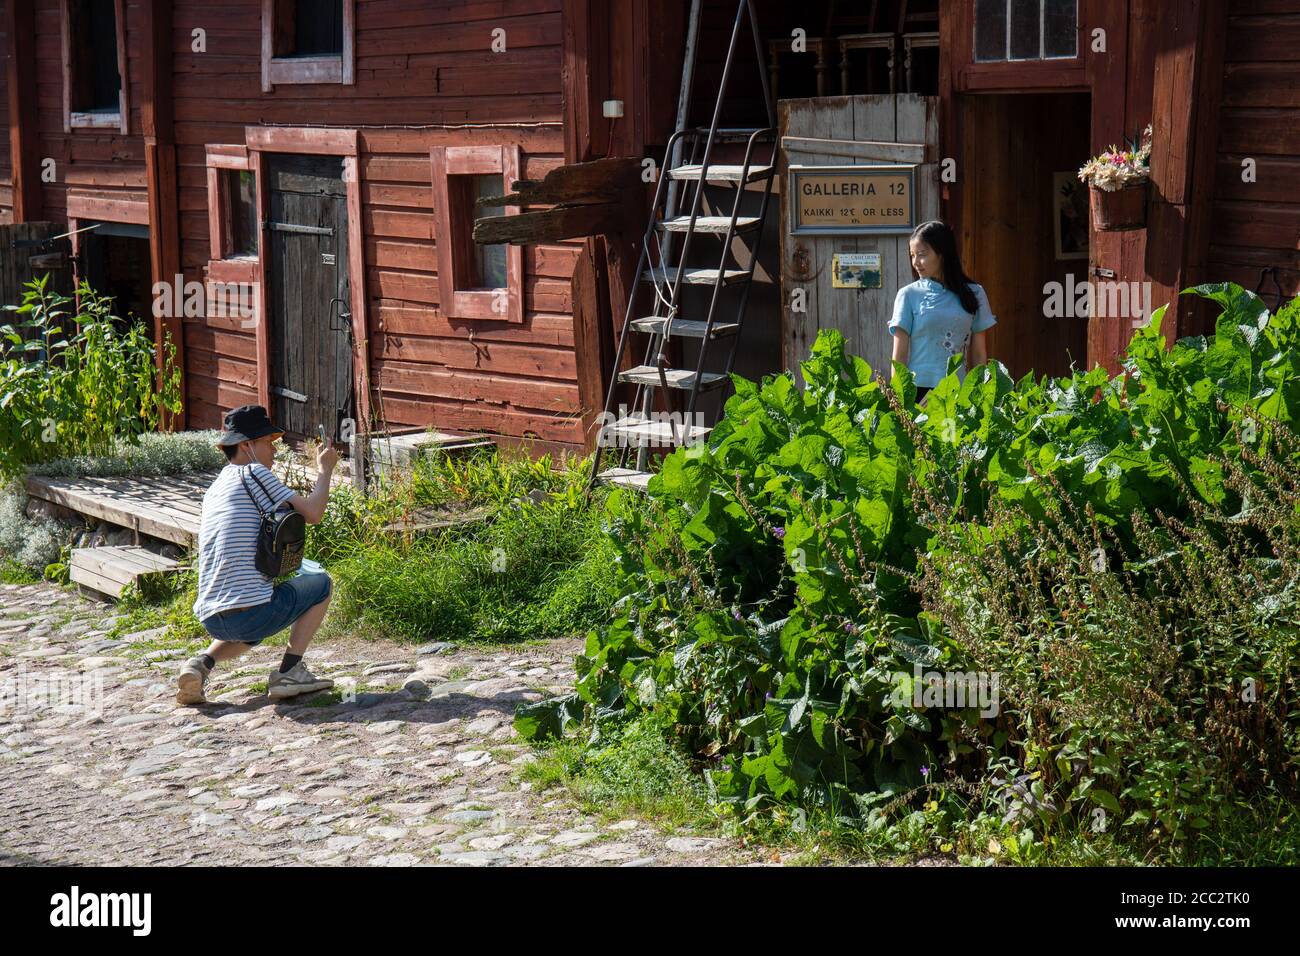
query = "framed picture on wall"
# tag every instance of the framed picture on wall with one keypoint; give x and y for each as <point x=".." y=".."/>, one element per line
<point x="1070" y="216"/>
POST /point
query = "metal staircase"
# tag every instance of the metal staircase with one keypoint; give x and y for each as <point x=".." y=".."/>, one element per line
<point x="662" y="392"/>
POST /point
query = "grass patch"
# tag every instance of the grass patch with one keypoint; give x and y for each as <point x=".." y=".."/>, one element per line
<point x="633" y="770"/>
<point x="12" y="572"/>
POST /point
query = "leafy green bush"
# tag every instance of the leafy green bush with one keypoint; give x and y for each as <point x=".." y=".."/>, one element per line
<point x="77" y="380"/>
<point x="786" y="583"/>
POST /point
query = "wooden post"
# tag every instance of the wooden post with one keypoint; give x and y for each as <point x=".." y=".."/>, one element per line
<point x="20" y="82"/>
<point x="1188" y="70"/>
<point x="157" y="118"/>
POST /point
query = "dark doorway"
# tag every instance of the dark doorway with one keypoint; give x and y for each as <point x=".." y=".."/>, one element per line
<point x="1020" y="192"/>
<point x="310" y="329"/>
<point x="114" y="262"/>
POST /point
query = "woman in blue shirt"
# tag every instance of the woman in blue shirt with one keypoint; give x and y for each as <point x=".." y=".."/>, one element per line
<point x="941" y="314"/>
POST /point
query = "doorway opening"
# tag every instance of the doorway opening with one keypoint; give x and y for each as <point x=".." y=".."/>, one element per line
<point x="114" y="261"/>
<point x="1024" y="223"/>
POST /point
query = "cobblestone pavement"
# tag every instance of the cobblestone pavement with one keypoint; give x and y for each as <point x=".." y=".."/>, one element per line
<point x="374" y="775"/>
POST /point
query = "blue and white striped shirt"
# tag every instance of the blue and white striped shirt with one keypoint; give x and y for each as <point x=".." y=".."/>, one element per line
<point x="228" y="575"/>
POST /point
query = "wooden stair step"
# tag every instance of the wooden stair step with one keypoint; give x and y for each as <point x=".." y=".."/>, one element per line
<point x="626" y="478"/>
<point x="725" y="173"/>
<point x="676" y="377"/>
<point x="694" y="275"/>
<point x="717" y="225"/>
<point x="639" y="430"/>
<point x="687" y="328"/>
<point x="109" y="570"/>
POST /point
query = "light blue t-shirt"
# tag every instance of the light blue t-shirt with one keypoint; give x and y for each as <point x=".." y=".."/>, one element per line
<point x="939" y="327"/>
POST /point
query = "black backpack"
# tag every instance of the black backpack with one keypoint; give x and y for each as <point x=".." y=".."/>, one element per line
<point x="281" y="537"/>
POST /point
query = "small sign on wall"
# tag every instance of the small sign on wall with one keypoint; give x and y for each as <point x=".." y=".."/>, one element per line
<point x="856" y="270"/>
<point x="852" y="200"/>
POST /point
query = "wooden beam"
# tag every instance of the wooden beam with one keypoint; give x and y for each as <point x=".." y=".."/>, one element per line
<point x="157" y="125"/>
<point x="20" y="83"/>
<point x="603" y="180"/>
<point x="562" y="222"/>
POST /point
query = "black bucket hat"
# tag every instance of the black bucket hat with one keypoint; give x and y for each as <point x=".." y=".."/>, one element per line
<point x="246" y="423"/>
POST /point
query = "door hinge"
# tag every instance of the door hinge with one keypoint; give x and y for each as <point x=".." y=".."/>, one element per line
<point x="288" y="393"/>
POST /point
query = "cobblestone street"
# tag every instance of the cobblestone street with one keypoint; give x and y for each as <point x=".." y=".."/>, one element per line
<point x="383" y="771"/>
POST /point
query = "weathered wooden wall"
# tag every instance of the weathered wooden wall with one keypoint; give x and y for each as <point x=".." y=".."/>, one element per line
<point x="96" y="170"/>
<point x="425" y="76"/>
<point x="6" y="165"/>
<point x="1257" y="225"/>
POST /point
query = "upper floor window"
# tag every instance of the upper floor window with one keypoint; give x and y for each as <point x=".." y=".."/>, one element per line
<point x="94" y="88"/>
<point x="307" y="41"/>
<point x="1026" y="29"/>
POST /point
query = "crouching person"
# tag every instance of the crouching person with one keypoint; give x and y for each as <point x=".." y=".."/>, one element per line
<point x="237" y="604"/>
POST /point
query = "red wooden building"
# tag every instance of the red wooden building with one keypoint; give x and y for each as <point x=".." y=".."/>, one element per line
<point x="327" y="156"/>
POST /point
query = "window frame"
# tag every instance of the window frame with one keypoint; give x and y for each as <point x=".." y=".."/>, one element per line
<point x="73" y="119"/>
<point x="327" y="68"/>
<point x="457" y="303"/>
<point x="1042" y="36"/>
<point x="969" y="75"/>
<point x="222" y="159"/>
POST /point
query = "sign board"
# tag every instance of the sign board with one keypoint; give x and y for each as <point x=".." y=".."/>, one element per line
<point x="852" y="200"/>
<point x="856" y="270"/>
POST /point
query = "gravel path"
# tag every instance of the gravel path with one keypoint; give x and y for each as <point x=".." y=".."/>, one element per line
<point x="101" y="766"/>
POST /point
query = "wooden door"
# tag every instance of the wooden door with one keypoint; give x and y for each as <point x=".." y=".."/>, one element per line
<point x="881" y="129"/>
<point x="310" y="316"/>
<point x="29" y="250"/>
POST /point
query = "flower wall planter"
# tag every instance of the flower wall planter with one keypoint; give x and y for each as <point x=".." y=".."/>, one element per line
<point x="1122" y="209"/>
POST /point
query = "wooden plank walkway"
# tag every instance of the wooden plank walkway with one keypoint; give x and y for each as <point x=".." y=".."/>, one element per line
<point x="166" y="508"/>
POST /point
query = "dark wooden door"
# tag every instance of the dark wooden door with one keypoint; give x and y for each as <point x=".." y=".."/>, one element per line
<point x="29" y="250"/>
<point x="310" y="321"/>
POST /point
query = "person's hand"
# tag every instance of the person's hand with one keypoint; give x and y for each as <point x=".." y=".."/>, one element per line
<point x="326" y="457"/>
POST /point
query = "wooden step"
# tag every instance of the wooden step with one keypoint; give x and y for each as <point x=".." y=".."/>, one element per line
<point x="400" y="451"/>
<point x="638" y="431"/>
<point x="734" y="134"/>
<point x="725" y="173"/>
<point x="626" y="478"/>
<point x="676" y="377"/>
<point x="716" y="225"/>
<point x="686" y="328"/>
<point x="694" y="276"/>
<point x="110" y="570"/>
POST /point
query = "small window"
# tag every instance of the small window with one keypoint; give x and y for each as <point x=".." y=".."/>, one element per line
<point x="489" y="261"/>
<point x="240" y="197"/>
<point x="94" y="88"/>
<point x="474" y="281"/>
<point x="307" y="41"/>
<point x="309" y="27"/>
<point x="1026" y="29"/>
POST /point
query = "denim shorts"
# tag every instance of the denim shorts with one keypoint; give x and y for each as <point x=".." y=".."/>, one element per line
<point x="290" y="600"/>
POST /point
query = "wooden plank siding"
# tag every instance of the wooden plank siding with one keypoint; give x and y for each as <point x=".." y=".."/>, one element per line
<point x="1256" y="225"/>
<point x="99" y="173"/>
<point x="6" y="164"/>
<point x="424" y="75"/>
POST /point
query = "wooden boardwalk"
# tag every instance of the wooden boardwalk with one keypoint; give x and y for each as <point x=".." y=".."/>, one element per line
<point x="166" y="508"/>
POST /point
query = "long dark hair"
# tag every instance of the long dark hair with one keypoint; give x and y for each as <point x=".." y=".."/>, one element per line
<point x="938" y="236"/>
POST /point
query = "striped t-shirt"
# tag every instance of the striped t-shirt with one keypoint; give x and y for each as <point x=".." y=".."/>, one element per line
<point x="228" y="575"/>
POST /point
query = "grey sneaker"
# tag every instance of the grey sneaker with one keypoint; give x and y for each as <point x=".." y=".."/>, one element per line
<point x="297" y="680"/>
<point x="189" y="682"/>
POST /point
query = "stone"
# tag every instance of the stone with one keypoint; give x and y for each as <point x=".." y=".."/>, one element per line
<point x="691" y="844"/>
<point x="574" y="838"/>
<point x="387" y="833"/>
<point x="435" y="647"/>
<point x="469" y="816"/>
